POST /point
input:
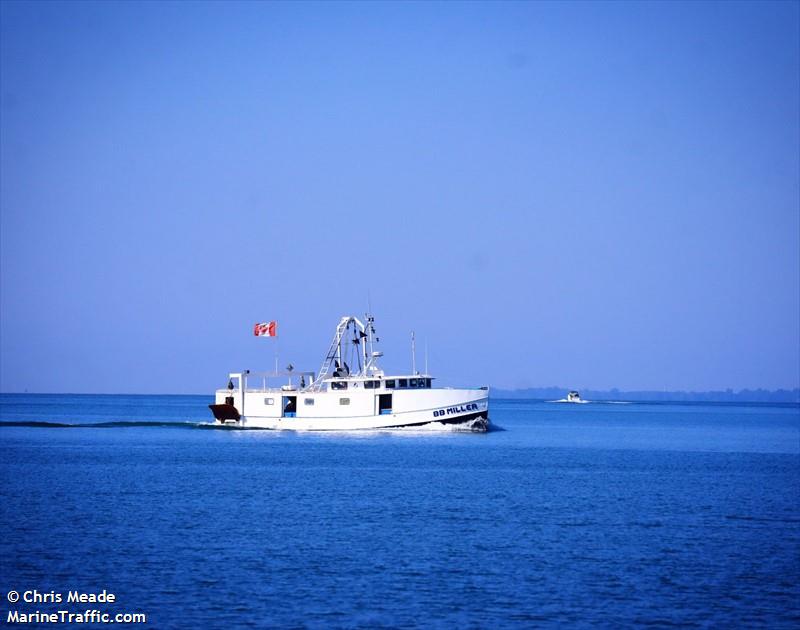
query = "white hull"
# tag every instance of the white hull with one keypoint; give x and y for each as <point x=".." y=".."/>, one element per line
<point x="470" y="413"/>
<point x="473" y="414"/>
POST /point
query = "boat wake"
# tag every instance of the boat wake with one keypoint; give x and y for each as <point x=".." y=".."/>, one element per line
<point x="117" y="424"/>
<point x="594" y="402"/>
<point x="477" y="425"/>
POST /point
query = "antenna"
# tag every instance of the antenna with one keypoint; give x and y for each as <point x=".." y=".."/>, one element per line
<point x="370" y="326"/>
<point x="426" y="356"/>
<point x="413" y="354"/>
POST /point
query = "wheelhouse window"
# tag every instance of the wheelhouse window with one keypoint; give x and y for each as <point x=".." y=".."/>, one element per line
<point x="372" y="384"/>
<point x="309" y="401"/>
<point x="412" y="382"/>
<point x="390" y="383"/>
<point x="428" y="383"/>
<point x="344" y="401"/>
<point x="403" y="382"/>
<point x="338" y="384"/>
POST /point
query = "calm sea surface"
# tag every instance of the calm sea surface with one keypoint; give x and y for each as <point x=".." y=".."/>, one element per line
<point x="583" y="515"/>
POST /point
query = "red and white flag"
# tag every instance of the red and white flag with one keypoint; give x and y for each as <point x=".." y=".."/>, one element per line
<point x="266" y="329"/>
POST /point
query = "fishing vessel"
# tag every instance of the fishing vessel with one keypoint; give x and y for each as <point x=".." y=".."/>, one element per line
<point x="574" y="397"/>
<point x="350" y="392"/>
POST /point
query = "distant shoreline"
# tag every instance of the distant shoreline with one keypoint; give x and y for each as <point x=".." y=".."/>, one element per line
<point x="741" y="396"/>
<point x="782" y="396"/>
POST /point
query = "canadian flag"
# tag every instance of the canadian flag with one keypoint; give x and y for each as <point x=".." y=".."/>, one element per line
<point x="266" y="329"/>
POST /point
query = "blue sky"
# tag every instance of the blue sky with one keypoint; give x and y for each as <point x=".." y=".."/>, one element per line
<point x="590" y="195"/>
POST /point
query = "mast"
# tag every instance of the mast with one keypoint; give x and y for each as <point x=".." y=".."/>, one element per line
<point x="370" y="325"/>
<point x="413" y="353"/>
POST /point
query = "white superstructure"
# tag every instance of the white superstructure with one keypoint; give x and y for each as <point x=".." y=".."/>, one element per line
<point x="350" y="392"/>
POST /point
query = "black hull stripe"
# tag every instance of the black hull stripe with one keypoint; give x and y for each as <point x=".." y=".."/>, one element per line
<point x="456" y="420"/>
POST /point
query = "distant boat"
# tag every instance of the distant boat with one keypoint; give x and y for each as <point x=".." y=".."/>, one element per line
<point x="339" y="398"/>
<point x="574" y="397"/>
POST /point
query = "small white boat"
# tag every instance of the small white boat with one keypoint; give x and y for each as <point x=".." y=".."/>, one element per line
<point x="574" y="397"/>
<point x="340" y="398"/>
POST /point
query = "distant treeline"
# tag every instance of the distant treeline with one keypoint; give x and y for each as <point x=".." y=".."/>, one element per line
<point x="728" y="395"/>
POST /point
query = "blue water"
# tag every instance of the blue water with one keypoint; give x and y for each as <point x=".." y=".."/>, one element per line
<point x="597" y="514"/>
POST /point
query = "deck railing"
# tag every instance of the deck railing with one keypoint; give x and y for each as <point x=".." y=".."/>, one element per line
<point x="263" y="381"/>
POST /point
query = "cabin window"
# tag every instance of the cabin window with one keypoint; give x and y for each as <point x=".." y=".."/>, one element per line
<point x="412" y="382"/>
<point x="390" y="384"/>
<point x="384" y="404"/>
<point x="338" y="384"/>
<point x="344" y="401"/>
<point x="309" y="401"/>
<point x="289" y="406"/>
<point x="403" y="383"/>
<point x="269" y="401"/>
